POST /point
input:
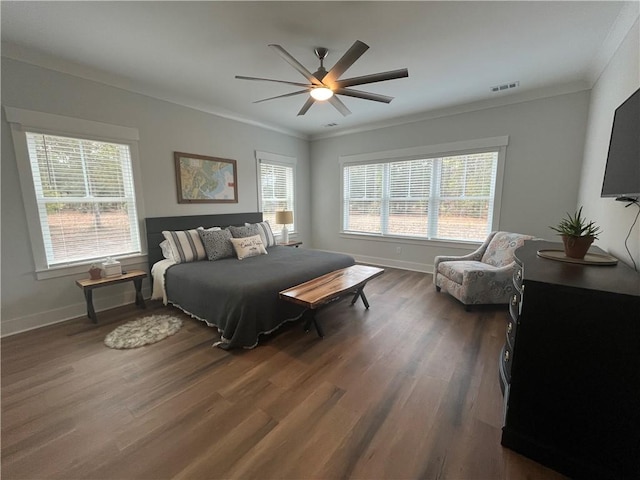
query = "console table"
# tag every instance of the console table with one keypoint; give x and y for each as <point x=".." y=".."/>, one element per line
<point x="570" y="366"/>
<point x="88" y="285"/>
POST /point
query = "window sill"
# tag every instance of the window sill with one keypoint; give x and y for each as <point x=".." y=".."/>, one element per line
<point x="78" y="268"/>
<point x="459" y="244"/>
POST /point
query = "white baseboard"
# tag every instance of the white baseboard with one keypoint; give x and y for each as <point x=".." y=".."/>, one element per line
<point x="17" y="325"/>
<point x="387" y="262"/>
<point x="402" y="265"/>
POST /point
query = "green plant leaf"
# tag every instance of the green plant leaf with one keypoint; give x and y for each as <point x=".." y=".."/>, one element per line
<point x="575" y="225"/>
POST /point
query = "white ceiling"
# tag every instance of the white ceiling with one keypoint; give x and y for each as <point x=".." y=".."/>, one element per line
<point x="189" y="52"/>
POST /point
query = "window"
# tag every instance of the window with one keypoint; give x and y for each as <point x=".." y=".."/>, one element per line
<point x="447" y="196"/>
<point x="276" y="188"/>
<point x="85" y="197"/>
<point x="78" y="187"/>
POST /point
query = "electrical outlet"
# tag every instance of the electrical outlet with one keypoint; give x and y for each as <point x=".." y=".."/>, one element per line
<point x="398" y="250"/>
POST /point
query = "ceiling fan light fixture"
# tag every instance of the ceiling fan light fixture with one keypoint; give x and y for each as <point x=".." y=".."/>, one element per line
<point x="321" y="93"/>
<point x="323" y="85"/>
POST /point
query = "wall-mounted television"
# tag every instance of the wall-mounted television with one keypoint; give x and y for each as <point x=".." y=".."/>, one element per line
<point x="622" y="174"/>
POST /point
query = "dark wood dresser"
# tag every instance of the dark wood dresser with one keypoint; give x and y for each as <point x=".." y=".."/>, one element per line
<point x="570" y="366"/>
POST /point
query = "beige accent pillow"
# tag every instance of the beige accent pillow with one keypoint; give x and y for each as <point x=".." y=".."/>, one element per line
<point x="248" y="246"/>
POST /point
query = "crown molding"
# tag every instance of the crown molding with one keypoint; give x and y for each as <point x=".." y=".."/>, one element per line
<point x="32" y="57"/>
<point x="622" y="25"/>
<point x="500" y="101"/>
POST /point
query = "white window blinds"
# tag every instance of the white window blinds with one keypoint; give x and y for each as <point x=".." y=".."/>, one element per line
<point x="85" y="198"/>
<point x="363" y="187"/>
<point x="276" y="190"/>
<point x="449" y="197"/>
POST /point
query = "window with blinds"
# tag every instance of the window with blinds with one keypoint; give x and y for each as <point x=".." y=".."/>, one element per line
<point x="446" y="197"/>
<point x="85" y="198"/>
<point x="276" y="189"/>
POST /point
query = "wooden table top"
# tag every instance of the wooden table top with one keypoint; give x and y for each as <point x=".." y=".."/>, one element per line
<point x="130" y="275"/>
<point x="318" y="291"/>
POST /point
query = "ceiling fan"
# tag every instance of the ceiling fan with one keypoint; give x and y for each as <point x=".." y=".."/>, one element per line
<point x="325" y="85"/>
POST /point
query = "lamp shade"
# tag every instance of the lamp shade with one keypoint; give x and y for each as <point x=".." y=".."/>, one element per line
<point x="284" y="217"/>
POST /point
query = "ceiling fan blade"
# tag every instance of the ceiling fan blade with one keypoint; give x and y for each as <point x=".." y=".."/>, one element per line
<point x="373" y="78"/>
<point x="364" y="95"/>
<point x="307" y="105"/>
<point x="283" y="96"/>
<point x="241" y="77"/>
<point x="295" y="64"/>
<point x="348" y="59"/>
<point x="341" y="107"/>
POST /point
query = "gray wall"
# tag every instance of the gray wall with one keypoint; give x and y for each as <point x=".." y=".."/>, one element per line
<point x="554" y="164"/>
<point x="618" y="81"/>
<point x="164" y="128"/>
<point x="541" y="175"/>
<point x="546" y="172"/>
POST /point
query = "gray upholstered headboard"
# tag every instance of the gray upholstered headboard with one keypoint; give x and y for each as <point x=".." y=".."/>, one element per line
<point x="155" y="226"/>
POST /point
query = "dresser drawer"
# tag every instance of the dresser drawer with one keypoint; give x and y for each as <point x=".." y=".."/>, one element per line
<point x="506" y="358"/>
<point x="517" y="277"/>
<point x="502" y="376"/>
<point x="512" y="325"/>
<point x="515" y="306"/>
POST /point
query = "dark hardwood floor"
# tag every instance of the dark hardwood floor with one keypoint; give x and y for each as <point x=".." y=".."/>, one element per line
<point x="406" y="389"/>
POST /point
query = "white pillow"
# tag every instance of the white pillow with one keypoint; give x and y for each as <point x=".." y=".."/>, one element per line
<point x="266" y="234"/>
<point x="248" y="246"/>
<point x="167" y="253"/>
<point x="186" y="245"/>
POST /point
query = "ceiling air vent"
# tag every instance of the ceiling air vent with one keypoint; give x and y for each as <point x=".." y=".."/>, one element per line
<point x="505" y="86"/>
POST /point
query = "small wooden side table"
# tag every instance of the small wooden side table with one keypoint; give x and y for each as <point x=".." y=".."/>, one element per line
<point x="291" y="244"/>
<point x="89" y="285"/>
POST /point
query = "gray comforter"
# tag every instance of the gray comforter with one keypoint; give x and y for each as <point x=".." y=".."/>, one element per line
<point x="240" y="297"/>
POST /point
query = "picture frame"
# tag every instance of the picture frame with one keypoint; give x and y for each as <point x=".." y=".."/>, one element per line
<point x="202" y="179"/>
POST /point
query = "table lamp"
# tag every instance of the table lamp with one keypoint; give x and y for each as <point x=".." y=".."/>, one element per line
<point x="284" y="218"/>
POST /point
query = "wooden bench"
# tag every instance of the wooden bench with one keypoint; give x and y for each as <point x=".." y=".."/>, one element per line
<point x="88" y="286"/>
<point x="327" y="288"/>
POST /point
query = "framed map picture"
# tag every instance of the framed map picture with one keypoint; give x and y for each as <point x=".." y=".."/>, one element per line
<point x="203" y="179"/>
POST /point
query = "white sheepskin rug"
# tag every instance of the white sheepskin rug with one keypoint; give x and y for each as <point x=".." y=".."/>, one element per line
<point x="141" y="332"/>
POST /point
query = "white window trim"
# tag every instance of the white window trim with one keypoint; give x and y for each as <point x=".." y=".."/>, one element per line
<point x="285" y="161"/>
<point x="425" y="151"/>
<point x="21" y="121"/>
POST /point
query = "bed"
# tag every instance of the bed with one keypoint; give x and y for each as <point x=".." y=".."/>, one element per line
<point x="239" y="297"/>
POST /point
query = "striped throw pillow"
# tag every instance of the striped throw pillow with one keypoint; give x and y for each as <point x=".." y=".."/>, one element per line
<point x="246" y="231"/>
<point x="265" y="232"/>
<point x="186" y="245"/>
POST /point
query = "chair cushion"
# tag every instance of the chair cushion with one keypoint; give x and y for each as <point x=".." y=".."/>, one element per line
<point x="455" y="270"/>
<point x="502" y="247"/>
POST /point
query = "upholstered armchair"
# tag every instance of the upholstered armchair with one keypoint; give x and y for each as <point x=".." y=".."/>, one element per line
<point x="483" y="276"/>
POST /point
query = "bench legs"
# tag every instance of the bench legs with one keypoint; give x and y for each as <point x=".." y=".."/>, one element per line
<point x="91" y="313"/>
<point x="360" y="293"/>
<point x="311" y="318"/>
<point x="310" y="313"/>
<point x="137" y="282"/>
<point x="88" y="296"/>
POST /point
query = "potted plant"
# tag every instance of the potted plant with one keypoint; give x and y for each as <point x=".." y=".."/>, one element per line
<point x="577" y="234"/>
